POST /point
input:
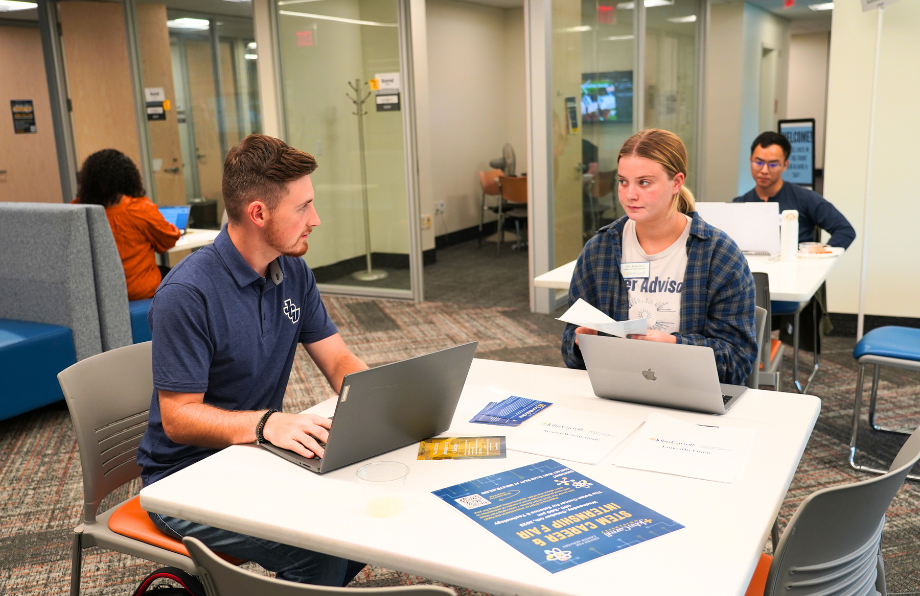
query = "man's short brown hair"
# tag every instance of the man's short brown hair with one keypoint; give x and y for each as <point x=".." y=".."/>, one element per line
<point x="259" y="168"/>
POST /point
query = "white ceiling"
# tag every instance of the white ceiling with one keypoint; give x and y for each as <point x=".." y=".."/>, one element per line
<point x="498" y="3"/>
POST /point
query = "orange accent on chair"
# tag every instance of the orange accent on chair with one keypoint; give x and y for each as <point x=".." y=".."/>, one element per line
<point x="489" y="181"/>
<point x="759" y="581"/>
<point x="132" y="521"/>
<point x="775" y="345"/>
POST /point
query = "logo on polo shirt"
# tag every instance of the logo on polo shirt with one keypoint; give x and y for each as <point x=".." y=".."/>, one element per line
<point x="291" y="310"/>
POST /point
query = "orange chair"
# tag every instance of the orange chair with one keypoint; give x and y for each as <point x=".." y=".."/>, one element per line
<point x="108" y="396"/>
<point x="514" y="193"/>
<point x="489" y="183"/>
<point x="771" y="350"/>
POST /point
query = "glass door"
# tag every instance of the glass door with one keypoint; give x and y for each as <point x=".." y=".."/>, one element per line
<point x="199" y="67"/>
<point x="344" y="87"/>
<point x="616" y="68"/>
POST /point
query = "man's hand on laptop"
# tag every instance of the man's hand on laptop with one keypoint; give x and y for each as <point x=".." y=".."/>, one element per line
<point x="655" y="335"/>
<point x="585" y="330"/>
<point x="298" y="433"/>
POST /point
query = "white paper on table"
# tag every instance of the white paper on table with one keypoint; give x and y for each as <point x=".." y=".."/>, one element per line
<point x="584" y="315"/>
<point x="574" y="435"/>
<point x="671" y="446"/>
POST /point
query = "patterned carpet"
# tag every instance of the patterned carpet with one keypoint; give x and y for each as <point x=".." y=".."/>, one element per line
<point x="41" y="491"/>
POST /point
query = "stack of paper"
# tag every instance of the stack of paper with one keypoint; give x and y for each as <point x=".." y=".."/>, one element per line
<point x="511" y="411"/>
<point x="575" y="435"/>
<point x="584" y="315"/>
<point x="671" y="446"/>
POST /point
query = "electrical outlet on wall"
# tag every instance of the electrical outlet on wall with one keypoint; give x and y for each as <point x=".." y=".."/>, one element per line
<point x="439" y="207"/>
<point x="426" y="222"/>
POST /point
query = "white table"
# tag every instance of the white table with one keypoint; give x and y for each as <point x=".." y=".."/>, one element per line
<point x="795" y="281"/>
<point x="195" y="238"/>
<point x="247" y="489"/>
<point x="192" y="239"/>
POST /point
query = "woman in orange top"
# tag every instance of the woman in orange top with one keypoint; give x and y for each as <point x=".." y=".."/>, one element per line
<point x="109" y="178"/>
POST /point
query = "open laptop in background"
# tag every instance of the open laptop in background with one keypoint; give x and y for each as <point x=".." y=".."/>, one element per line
<point x="391" y="406"/>
<point x="658" y="374"/>
<point x="177" y="216"/>
<point x="753" y="226"/>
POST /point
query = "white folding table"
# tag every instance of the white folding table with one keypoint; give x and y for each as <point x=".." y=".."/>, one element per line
<point x="249" y="490"/>
<point x="192" y="239"/>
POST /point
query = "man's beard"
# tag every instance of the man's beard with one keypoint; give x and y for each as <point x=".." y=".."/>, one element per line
<point x="274" y="239"/>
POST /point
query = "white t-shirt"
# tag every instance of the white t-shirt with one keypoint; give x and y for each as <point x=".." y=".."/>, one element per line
<point x="656" y="297"/>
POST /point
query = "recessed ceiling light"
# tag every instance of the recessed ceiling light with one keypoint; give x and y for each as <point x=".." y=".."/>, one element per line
<point x="579" y="29"/>
<point x="250" y="56"/>
<point x="187" y="23"/>
<point x="617" y="38"/>
<point x="824" y="6"/>
<point x="648" y="4"/>
<point x="687" y="19"/>
<point x="252" y="45"/>
<point x="13" y="5"/>
<point x="324" y="17"/>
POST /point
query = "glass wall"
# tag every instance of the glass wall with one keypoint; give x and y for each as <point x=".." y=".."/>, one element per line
<point x="597" y="102"/>
<point x="343" y="89"/>
<point x="201" y="89"/>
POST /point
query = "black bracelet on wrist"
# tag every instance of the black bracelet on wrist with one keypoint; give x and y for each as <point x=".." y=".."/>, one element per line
<point x="260" y="438"/>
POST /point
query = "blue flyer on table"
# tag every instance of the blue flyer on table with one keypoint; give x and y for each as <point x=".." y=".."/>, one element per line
<point x="511" y="411"/>
<point x="555" y="516"/>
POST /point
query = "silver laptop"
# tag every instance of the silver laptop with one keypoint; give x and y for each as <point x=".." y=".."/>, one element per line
<point x="753" y="226"/>
<point x="391" y="406"/>
<point x="647" y="372"/>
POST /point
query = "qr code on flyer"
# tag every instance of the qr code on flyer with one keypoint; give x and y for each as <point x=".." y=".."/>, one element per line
<point x="473" y="501"/>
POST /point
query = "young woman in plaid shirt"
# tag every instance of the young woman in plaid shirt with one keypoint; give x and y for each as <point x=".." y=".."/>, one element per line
<point x="702" y="296"/>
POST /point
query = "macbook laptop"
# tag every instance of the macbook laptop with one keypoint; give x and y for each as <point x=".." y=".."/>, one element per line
<point x="391" y="406"/>
<point x="658" y="374"/>
<point x="177" y="216"/>
<point x="753" y="226"/>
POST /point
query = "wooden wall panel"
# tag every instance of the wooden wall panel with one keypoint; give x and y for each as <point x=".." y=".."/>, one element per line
<point x="99" y="78"/>
<point x="30" y="160"/>
<point x="156" y="63"/>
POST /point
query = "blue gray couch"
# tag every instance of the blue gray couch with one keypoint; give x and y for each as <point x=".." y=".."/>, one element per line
<point x="63" y="298"/>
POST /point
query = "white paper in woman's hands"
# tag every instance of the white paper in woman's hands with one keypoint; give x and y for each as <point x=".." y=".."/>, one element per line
<point x="583" y="314"/>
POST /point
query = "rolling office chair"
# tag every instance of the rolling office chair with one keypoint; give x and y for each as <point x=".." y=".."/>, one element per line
<point x="222" y="579"/>
<point x="832" y="544"/>
<point x="108" y="396"/>
<point x="760" y="323"/>
<point x="489" y="183"/>
<point x="514" y="193"/>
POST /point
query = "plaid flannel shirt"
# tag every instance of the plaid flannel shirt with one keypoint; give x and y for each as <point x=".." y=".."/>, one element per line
<point x="716" y="305"/>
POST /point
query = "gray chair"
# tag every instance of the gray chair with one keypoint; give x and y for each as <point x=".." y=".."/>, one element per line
<point x="760" y="322"/>
<point x="222" y="579"/>
<point x="832" y="544"/>
<point x="108" y="396"/>
<point x="771" y="351"/>
<point x="109" y="280"/>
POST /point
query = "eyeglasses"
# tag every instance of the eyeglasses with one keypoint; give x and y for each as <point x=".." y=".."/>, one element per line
<point x="759" y="164"/>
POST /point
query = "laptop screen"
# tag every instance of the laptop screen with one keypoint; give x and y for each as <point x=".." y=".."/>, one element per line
<point x="177" y="216"/>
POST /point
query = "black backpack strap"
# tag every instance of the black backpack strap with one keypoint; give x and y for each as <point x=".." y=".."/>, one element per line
<point x="191" y="583"/>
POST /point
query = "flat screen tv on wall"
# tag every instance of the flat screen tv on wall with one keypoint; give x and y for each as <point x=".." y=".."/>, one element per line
<point x="607" y="96"/>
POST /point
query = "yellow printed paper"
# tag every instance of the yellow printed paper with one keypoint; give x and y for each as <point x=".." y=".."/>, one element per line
<point x="375" y="84"/>
<point x="462" y="448"/>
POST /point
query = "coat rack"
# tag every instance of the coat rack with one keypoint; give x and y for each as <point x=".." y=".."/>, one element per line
<point x="370" y="274"/>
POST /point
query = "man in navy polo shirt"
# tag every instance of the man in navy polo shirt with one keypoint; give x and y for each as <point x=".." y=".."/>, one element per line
<point x="226" y="323"/>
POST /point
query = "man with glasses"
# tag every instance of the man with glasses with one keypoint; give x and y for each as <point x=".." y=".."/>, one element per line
<point x="769" y="158"/>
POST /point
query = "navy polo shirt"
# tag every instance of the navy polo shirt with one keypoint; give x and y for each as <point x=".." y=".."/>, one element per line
<point x="221" y="329"/>
<point x="814" y="210"/>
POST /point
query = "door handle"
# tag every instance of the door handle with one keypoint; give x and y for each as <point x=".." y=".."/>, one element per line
<point x="174" y="170"/>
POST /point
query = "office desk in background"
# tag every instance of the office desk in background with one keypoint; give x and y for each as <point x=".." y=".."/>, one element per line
<point x="247" y="489"/>
<point x="193" y="238"/>
<point x="795" y="281"/>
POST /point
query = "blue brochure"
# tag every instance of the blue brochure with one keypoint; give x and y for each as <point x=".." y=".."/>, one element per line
<point x="555" y="516"/>
<point x="511" y="411"/>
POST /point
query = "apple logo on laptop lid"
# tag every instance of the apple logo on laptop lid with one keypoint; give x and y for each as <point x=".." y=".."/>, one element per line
<point x="649" y="375"/>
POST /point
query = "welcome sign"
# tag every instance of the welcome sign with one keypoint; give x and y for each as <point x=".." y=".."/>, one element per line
<point x="801" y="135"/>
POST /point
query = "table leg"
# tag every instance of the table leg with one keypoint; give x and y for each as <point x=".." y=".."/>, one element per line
<point x="795" y="361"/>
